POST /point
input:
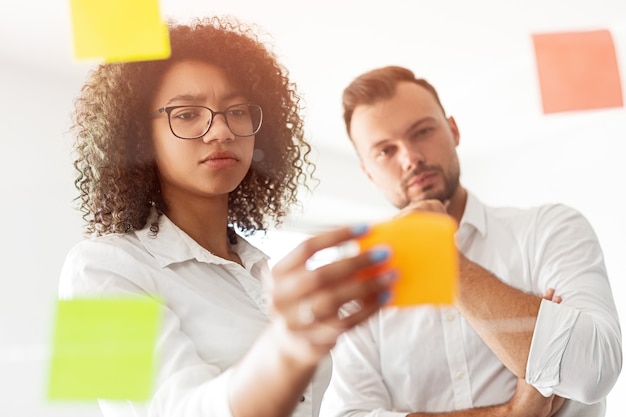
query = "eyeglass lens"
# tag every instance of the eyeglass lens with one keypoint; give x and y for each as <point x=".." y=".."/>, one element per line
<point x="192" y="122"/>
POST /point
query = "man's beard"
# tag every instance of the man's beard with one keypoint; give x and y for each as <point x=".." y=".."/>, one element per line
<point x="450" y="179"/>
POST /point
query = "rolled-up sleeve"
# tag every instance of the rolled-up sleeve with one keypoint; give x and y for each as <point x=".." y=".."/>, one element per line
<point x="576" y="351"/>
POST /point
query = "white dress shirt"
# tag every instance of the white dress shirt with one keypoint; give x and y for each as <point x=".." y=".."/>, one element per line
<point x="429" y="359"/>
<point x="213" y="311"/>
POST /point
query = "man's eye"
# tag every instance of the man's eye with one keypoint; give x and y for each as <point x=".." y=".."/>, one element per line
<point x="423" y="132"/>
<point x="385" y="151"/>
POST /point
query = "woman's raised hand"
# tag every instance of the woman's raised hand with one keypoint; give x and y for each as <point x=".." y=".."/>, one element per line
<point x="310" y="305"/>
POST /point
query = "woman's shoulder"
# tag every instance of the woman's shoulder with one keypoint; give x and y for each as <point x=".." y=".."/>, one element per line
<point x="114" y="244"/>
<point x="96" y="264"/>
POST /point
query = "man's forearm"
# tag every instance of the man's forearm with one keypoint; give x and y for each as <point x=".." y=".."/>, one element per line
<point x="504" y="317"/>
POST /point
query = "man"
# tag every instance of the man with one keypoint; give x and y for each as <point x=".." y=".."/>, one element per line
<point x="501" y="349"/>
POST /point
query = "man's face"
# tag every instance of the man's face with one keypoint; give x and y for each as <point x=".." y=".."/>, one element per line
<point x="407" y="146"/>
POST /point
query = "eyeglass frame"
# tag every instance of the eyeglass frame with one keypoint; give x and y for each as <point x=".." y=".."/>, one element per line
<point x="168" y="110"/>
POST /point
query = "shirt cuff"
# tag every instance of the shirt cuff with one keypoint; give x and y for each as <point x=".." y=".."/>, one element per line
<point x="193" y="392"/>
<point x="222" y="408"/>
<point x="553" y="330"/>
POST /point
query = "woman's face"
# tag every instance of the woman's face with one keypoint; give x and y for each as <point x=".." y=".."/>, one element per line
<point x="210" y="166"/>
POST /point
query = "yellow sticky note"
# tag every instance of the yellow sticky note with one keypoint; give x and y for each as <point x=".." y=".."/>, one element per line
<point x="423" y="253"/>
<point x="119" y="30"/>
<point x="104" y="348"/>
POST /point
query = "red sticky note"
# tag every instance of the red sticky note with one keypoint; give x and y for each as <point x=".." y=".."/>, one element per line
<point x="577" y="71"/>
<point x="423" y="253"/>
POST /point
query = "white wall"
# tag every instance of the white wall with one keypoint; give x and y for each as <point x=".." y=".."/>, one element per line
<point x="39" y="225"/>
<point x="478" y="54"/>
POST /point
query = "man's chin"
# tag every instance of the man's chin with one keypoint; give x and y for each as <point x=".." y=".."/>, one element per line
<point x="427" y="196"/>
<point x="418" y="196"/>
<point x="411" y="201"/>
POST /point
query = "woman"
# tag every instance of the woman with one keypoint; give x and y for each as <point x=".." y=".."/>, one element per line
<point x="173" y="157"/>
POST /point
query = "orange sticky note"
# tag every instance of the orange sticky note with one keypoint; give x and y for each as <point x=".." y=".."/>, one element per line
<point x="577" y="71"/>
<point x="423" y="253"/>
<point x="119" y="30"/>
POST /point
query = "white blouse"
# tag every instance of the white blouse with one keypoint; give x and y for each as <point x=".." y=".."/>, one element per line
<point x="214" y="310"/>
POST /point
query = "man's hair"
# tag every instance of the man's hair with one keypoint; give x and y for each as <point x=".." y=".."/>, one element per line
<point x="378" y="84"/>
<point x="117" y="177"/>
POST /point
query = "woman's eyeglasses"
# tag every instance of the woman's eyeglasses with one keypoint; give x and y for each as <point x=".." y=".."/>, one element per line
<point x="193" y="122"/>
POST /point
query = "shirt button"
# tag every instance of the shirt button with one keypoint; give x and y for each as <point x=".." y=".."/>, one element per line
<point x="451" y="316"/>
<point x="302" y="399"/>
<point x="460" y="374"/>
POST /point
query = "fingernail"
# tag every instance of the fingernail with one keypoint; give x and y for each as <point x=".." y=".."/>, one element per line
<point x="384" y="297"/>
<point x="388" y="277"/>
<point x="380" y="254"/>
<point x="359" y="229"/>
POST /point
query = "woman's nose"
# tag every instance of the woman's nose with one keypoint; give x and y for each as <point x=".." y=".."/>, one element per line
<point x="218" y="130"/>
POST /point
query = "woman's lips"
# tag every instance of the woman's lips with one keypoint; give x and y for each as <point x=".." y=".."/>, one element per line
<point x="220" y="159"/>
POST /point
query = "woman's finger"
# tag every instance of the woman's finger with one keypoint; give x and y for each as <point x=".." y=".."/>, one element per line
<point x="324" y="335"/>
<point x="298" y="257"/>
<point x="302" y="283"/>
<point x="327" y="304"/>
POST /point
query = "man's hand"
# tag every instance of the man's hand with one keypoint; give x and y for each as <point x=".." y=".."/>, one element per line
<point x="528" y="402"/>
<point x="424" y="205"/>
<point x="550" y="295"/>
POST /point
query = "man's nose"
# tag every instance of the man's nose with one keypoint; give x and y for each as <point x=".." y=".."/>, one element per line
<point x="411" y="157"/>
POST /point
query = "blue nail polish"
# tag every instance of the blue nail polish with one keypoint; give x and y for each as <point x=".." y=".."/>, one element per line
<point x="359" y="229"/>
<point x="384" y="297"/>
<point x="379" y="255"/>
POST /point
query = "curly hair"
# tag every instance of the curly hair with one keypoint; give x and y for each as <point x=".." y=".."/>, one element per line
<point x="117" y="177"/>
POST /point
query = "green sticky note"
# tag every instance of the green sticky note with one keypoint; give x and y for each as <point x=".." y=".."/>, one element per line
<point x="104" y="348"/>
<point x="119" y="30"/>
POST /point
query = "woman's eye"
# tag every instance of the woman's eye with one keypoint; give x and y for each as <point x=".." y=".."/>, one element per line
<point x="187" y="115"/>
<point x="237" y="113"/>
